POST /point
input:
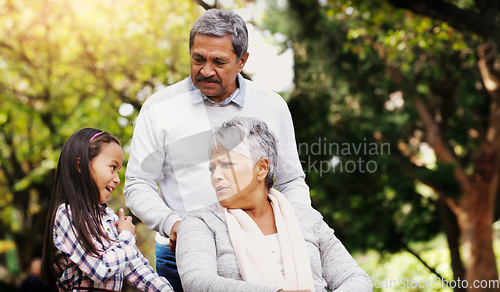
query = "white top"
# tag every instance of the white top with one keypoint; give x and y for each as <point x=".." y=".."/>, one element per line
<point x="272" y="241"/>
<point x="167" y="172"/>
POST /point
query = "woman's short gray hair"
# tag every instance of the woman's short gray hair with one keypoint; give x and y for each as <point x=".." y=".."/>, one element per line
<point x="256" y="135"/>
<point x="219" y="23"/>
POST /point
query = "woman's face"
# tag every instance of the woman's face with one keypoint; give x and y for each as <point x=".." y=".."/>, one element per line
<point x="233" y="178"/>
<point x="105" y="167"/>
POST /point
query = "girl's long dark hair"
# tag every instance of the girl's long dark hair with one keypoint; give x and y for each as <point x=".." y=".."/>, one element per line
<point x="75" y="187"/>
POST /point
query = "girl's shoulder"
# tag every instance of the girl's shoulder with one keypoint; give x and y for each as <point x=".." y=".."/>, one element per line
<point x="62" y="210"/>
<point x="63" y="221"/>
<point x="63" y="214"/>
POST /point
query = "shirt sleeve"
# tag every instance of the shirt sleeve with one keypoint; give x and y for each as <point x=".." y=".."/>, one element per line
<point x="290" y="177"/>
<point x="98" y="268"/>
<point x="144" y="170"/>
<point x="340" y="270"/>
<point x="141" y="275"/>
<point x="197" y="261"/>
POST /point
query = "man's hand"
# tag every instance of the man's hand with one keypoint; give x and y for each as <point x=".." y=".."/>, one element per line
<point x="173" y="236"/>
<point x="125" y="222"/>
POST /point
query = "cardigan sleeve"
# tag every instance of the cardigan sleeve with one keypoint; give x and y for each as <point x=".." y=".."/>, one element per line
<point x="340" y="270"/>
<point x="197" y="264"/>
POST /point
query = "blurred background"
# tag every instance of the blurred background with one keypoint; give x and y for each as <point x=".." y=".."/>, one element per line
<point x="395" y="105"/>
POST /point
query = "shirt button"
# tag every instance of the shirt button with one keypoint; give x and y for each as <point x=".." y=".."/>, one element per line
<point x="109" y="270"/>
<point x="109" y="229"/>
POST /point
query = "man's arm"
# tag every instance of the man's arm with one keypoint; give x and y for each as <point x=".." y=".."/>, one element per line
<point x="340" y="270"/>
<point x="290" y="178"/>
<point x="144" y="170"/>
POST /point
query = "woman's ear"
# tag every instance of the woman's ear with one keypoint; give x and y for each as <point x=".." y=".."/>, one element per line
<point x="78" y="165"/>
<point x="262" y="168"/>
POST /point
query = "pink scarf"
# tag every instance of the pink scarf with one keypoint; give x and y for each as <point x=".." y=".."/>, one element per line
<point x="254" y="261"/>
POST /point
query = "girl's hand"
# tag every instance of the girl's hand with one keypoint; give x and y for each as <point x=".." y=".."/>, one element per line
<point x="125" y="222"/>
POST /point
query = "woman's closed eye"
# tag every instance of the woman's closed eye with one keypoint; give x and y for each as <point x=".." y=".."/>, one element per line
<point x="221" y="164"/>
<point x="226" y="163"/>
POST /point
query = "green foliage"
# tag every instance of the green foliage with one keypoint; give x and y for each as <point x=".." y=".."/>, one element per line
<point x="65" y="65"/>
<point x="403" y="272"/>
<point x="442" y="178"/>
<point x="359" y="67"/>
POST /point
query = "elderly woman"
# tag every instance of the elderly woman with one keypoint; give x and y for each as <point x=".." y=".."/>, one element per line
<point x="253" y="240"/>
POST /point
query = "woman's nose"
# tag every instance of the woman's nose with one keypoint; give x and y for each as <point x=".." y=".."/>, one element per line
<point x="217" y="174"/>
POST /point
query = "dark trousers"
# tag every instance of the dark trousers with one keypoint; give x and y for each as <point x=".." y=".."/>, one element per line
<point x="166" y="266"/>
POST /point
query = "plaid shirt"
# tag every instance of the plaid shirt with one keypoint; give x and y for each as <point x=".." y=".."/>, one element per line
<point x="120" y="260"/>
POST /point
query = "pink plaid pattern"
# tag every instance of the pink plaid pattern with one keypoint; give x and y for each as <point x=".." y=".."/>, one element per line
<point x="121" y="260"/>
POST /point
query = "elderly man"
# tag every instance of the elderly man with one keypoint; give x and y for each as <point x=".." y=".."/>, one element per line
<point x="167" y="171"/>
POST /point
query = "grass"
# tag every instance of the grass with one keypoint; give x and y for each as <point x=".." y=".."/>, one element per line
<point x="404" y="272"/>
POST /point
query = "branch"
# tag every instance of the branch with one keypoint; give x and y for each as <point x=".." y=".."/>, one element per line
<point x="461" y="19"/>
<point x="205" y="5"/>
<point x="7" y="46"/>
<point x="434" y="137"/>
<point x="490" y="75"/>
<point x="488" y="8"/>
<point x="407" y="248"/>
<point x="442" y="152"/>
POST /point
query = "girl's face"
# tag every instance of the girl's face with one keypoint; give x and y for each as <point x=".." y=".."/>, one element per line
<point x="105" y="167"/>
<point x="233" y="179"/>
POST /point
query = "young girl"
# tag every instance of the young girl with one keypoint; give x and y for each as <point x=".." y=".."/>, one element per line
<point x="87" y="247"/>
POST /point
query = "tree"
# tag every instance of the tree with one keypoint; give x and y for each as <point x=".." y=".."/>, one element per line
<point x="369" y="73"/>
<point x="479" y="188"/>
<point x="68" y="65"/>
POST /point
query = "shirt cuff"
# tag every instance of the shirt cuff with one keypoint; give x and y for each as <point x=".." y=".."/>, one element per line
<point x="127" y="236"/>
<point x="170" y="222"/>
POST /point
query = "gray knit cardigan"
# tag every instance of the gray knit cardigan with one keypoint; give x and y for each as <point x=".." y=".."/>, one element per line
<point x="206" y="260"/>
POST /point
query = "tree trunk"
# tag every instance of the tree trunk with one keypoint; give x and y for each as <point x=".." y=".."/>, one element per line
<point x="475" y="212"/>
<point x="452" y="231"/>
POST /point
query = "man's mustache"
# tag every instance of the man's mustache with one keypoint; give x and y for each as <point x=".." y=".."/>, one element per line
<point x="207" y="79"/>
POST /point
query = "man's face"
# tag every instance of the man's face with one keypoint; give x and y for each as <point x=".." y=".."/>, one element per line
<point x="214" y="66"/>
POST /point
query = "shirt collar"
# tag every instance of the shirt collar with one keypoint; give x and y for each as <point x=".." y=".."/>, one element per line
<point x="107" y="213"/>
<point x="237" y="97"/>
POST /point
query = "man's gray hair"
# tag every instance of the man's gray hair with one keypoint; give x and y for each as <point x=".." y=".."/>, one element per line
<point x="256" y="135"/>
<point x="219" y="23"/>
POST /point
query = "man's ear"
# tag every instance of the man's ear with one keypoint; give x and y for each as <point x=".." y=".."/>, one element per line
<point x="243" y="61"/>
<point x="262" y="168"/>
